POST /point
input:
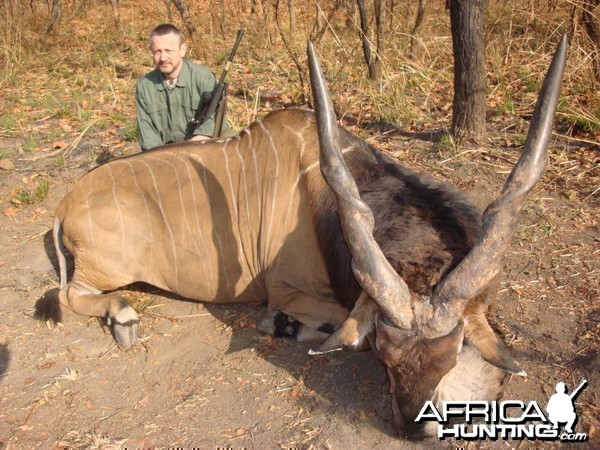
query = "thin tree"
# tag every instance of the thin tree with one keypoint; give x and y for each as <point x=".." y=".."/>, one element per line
<point x="373" y="59"/>
<point x="56" y="15"/>
<point x="591" y="24"/>
<point x="292" y="10"/>
<point x="381" y="31"/>
<point x="188" y="21"/>
<point x="416" y="43"/>
<point x="222" y="18"/>
<point x="300" y="66"/>
<point x="467" y="19"/>
<point x="365" y="31"/>
<point x="119" y="24"/>
<point x="169" y="12"/>
<point x="320" y="26"/>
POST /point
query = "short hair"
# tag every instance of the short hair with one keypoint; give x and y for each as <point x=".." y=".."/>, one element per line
<point x="166" y="28"/>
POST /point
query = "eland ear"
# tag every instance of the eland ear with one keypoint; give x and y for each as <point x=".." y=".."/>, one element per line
<point x="491" y="348"/>
<point x="354" y="331"/>
<point x="495" y="352"/>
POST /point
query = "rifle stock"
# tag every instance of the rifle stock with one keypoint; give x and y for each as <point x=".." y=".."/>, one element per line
<point x="203" y="114"/>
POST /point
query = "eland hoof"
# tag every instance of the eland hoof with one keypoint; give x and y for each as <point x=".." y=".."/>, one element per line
<point x="125" y="326"/>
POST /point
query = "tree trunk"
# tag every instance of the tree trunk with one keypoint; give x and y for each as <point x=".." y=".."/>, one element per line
<point x="374" y="60"/>
<point x="416" y="43"/>
<point x="292" y="9"/>
<point x="381" y="31"/>
<point x="591" y="24"/>
<point x="169" y="12"/>
<point x="320" y="26"/>
<point x="188" y="22"/>
<point x="364" y="34"/>
<point x="318" y="21"/>
<point x="119" y="24"/>
<point x="467" y="19"/>
<point x="300" y="66"/>
<point x="56" y="16"/>
<point x="222" y="19"/>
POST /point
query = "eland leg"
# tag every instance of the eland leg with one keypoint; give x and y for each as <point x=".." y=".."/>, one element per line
<point x="294" y="313"/>
<point x="279" y="324"/>
<point x="90" y="302"/>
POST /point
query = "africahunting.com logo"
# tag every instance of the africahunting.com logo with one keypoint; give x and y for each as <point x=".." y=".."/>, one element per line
<point x="510" y="419"/>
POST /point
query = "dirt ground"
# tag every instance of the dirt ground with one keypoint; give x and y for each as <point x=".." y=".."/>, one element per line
<point x="204" y="376"/>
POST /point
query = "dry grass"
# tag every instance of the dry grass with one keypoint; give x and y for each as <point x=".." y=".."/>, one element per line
<point x="80" y="76"/>
<point x="89" y="440"/>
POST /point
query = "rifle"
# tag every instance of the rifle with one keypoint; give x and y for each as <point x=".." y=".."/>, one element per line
<point x="203" y="113"/>
<point x="576" y="392"/>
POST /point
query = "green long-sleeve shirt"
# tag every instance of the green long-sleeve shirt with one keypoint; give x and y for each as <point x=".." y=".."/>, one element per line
<point x="163" y="112"/>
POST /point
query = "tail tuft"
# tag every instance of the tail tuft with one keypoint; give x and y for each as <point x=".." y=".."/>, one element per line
<point x="47" y="307"/>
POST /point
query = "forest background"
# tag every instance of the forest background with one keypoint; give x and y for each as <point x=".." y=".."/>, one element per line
<point x="77" y="61"/>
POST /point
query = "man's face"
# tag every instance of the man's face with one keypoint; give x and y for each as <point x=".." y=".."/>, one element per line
<point x="167" y="53"/>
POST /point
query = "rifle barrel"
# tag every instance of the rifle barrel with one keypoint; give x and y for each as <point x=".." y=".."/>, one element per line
<point x="203" y="114"/>
<point x="240" y="34"/>
<point x="579" y="388"/>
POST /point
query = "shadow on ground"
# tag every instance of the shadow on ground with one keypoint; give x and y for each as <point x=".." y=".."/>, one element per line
<point x="4" y="360"/>
<point x="348" y="384"/>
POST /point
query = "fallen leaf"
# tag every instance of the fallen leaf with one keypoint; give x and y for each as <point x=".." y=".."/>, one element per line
<point x="270" y="341"/>
<point x="116" y="144"/>
<point x="11" y="211"/>
<point x="47" y="365"/>
<point x="6" y="164"/>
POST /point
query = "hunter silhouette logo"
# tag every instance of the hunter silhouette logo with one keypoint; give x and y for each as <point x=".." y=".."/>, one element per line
<point x="508" y="419"/>
<point x="561" y="406"/>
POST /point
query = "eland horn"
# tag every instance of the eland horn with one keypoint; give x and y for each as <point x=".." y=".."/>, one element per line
<point x="371" y="269"/>
<point x="485" y="260"/>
